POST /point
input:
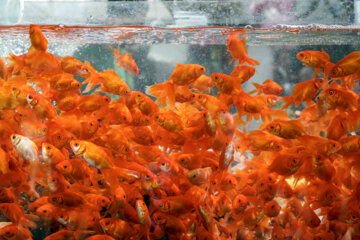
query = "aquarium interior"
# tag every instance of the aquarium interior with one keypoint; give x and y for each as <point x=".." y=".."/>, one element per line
<point x="160" y="34"/>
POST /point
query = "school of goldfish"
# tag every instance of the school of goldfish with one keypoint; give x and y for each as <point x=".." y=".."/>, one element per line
<point x="183" y="167"/>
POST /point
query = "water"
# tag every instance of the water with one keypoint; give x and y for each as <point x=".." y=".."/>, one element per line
<point x="157" y="50"/>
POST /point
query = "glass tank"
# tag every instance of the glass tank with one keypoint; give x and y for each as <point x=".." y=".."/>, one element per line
<point x="179" y="119"/>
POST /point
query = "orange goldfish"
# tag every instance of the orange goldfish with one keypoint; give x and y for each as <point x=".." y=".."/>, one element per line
<point x="244" y="73"/>
<point x="42" y="108"/>
<point x="183" y="75"/>
<point x="268" y="87"/>
<point x="15" y="232"/>
<point x="304" y="91"/>
<point x="37" y="39"/>
<point x="117" y="228"/>
<point x="272" y="208"/>
<point x="314" y="59"/>
<point x="346" y="66"/>
<point x="238" y="50"/>
<point x="92" y="154"/>
<point x="3" y="70"/>
<point x="285" y="164"/>
<point x="126" y="61"/>
<point x="109" y="80"/>
<point x="74" y="66"/>
<point x="288" y="129"/>
<point x="203" y="83"/>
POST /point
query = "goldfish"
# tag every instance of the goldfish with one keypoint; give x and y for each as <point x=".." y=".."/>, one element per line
<point x="42" y="108"/>
<point x="92" y="154"/>
<point x="288" y="129"/>
<point x="15" y="232"/>
<point x="315" y="59"/>
<point x="272" y="208"/>
<point x="118" y="164"/>
<point x="285" y="164"/>
<point x="203" y="83"/>
<point x="126" y="61"/>
<point x="244" y="73"/>
<point x="304" y="91"/>
<point x="182" y="75"/>
<point x="346" y="66"/>
<point x="26" y="148"/>
<point x="37" y="38"/>
<point x="238" y="51"/>
<point x="3" y="70"/>
<point x="73" y="66"/>
<point x="117" y="228"/>
<point x="109" y="80"/>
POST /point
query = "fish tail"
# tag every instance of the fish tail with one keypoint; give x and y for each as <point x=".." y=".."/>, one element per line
<point x="251" y="61"/>
<point x="288" y="101"/>
<point x="165" y="92"/>
<point x="257" y="90"/>
<point x="94" y="78"/>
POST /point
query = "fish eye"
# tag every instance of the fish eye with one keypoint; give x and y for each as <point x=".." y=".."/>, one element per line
<point x="272" y="206"/>
<point x="126" y="149"/>
<point x="65" y="166"/>
<point x="44" y="130"/>
<point x="202" y="69"/>
<point x="124" y="118"/>
<point x="294" y="160"/>
<point x="194" y="176"/>
<point x="216" y="77"/>
<point x="124" y="196"/>
<point x="103" y="200"/>
<point x="157" y="116"/>
<point x="59" y="136"/>
<point x="107" y="223"/>
<point x="138" y="95"/>
<point x="14" y="88"/>
<point x="301" y="55"/>
<point x="49" y="147"/>
<point x="44" y="211"/>
<point x="126" y="91"/>
<point x="91" y="124"/>
<point x="158" y="218"/>
<point x="106" y="99"/>
<point x="61" y="216"/>
<point x="333" y="72"/>
<point x="76" y="144"/>
<point x="7" y="233"/>
<point x="261" y="184"/>
<point x="30" y="97"/>
<point x="331" y="92"/>
<point x="53" y="180"/>
<point x="182" y="160"/>
<point x="334" y="145"/>
<point x="162" y="164"/>
<point x="200" y="96"/>
<point x="318" y="158"/>
<point x="147" y="120"/>
<point x="239" y="201"/>
<point x="13" y="137"/>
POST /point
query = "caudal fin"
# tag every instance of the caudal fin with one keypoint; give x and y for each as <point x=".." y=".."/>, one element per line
<point x="251" y="61"/>
<point x="257" y="90"/>
<point x="164" y="92"/>
<point x="288" y="101"/>
<point x="94" y="78"/>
